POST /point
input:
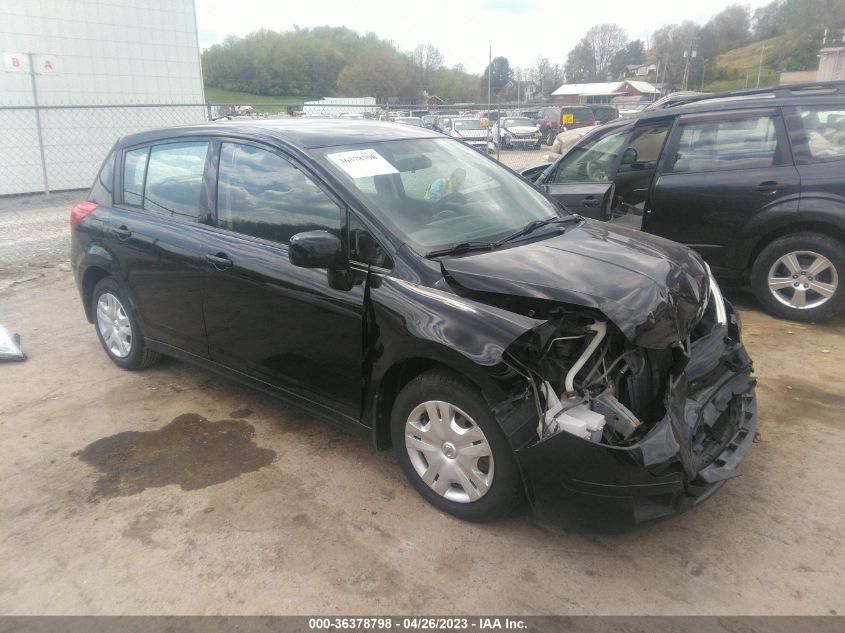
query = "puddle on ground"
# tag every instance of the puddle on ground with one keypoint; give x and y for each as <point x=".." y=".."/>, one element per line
<point x="190" y="451"/>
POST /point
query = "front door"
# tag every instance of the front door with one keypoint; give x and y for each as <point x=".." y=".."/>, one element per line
<point x="719" y="172"/>
<point x="582" y="180"/>
<point x="288" y="326"/>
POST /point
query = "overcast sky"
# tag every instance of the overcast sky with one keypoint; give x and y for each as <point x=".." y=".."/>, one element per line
<point x="521" y="30"/>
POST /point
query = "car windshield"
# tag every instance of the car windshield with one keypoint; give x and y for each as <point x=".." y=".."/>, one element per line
<point x="437" y="193"/>
<point x="518" y="123"/>
<point x="410" y="121"/>
<point x="468" y="124"/>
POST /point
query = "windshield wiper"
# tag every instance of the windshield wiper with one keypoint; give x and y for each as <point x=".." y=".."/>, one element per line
<point x="534" y="225"/>
<point x="463" y="247"/>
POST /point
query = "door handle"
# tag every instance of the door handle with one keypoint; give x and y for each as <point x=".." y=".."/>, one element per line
<point x="768" y="188"/>
<point x="122" y="232"/>
<point x="590" y="201"/>
<point x="219" y="261"/>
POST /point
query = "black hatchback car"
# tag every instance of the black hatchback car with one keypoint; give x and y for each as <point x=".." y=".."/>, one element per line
<point x="408" y="286"/>
<point x="754" y="181"/>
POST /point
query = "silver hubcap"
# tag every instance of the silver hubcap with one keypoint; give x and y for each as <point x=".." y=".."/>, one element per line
<point x="803" y="280"/>
<point x="113" y="325"/>
<point x="449" y="451"/>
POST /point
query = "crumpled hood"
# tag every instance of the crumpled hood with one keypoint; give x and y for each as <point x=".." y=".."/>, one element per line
<point x="650" y="288"/>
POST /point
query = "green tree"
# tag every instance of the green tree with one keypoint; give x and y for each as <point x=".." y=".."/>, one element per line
<point x="500" y="75"/>
<point x="385" y="75"/>
<point x="581" y="63"/>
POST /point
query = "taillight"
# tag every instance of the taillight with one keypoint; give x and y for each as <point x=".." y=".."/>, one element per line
<point x="80" y="211"/>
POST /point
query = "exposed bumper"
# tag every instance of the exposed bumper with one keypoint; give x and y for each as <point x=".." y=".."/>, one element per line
<point x="709" y="425"/>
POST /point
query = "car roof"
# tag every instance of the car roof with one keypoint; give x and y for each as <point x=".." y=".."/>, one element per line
<point x="301" y="133"/>
<point x="801" y="94"/>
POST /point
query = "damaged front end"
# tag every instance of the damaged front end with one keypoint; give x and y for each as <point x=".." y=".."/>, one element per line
<point x="658" y="428"/>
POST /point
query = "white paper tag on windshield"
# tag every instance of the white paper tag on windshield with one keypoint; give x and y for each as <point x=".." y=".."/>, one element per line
<point x="362" y="163"/>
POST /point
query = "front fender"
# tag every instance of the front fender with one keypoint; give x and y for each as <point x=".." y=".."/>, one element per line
<point x="408" y="321"/>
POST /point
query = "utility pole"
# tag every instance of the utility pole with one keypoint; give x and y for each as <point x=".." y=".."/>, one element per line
<point x="688" y="54"/>
<point x="760" y="67"/>
<point x="489" y="78"/>
<point x="31" y="62"/>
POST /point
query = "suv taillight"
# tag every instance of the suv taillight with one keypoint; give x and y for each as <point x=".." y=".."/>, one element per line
<point x="80" y="211"/>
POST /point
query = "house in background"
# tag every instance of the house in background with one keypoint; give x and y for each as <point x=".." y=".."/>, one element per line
<point x="832" y="63"/>
<point x="605" y="92"/>
<point x="640" y="70"/>
<point x="523" y="90"/>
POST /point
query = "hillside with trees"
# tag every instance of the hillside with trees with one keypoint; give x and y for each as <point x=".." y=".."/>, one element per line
<point x="729" y="50"/>
<point x="328" y="61"/>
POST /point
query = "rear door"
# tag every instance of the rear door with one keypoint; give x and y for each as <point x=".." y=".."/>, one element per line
<point x="295" y="328"/>
<point x="720" y="173"/>
<point x="161" y="197"/>
<point x="817" y="134"/>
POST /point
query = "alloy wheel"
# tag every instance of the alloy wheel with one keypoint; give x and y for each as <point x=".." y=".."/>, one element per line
<point x="449" y="451"/>
<point x="803" y="280"/>
<point x="113" y="324"/>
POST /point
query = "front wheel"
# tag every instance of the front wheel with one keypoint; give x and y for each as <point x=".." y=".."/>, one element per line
<point x="799" y="277"/>
<point x="452" y="450"/>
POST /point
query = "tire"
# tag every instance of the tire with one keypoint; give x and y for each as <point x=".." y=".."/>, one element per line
<point x="550" y="139"/>
<point x="483" y="461"/>
<point x="114" y="320"/>
<point x="813" y="261"/>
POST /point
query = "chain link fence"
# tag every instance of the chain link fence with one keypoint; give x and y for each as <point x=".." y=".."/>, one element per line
<point x="57" y="148"/>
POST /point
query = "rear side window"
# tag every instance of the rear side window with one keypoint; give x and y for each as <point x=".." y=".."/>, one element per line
<point x="174" y="180"/>
<point x="746" y="143"/>
<point x="824" y="128"/>
<point x="134" y="172"/>
<point x="260" y="193"/>
<point x="166" y="180"/>
<point x="101" y="190"/>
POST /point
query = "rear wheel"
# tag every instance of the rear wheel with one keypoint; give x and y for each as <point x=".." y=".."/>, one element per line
<point x="452" y="450"/>
<point x="117" y="328"/>
<point x="800" y="277"/>
<point x="550" y="139"/>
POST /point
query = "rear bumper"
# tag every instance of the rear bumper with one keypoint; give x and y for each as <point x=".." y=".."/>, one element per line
<point x="709" y="425"/>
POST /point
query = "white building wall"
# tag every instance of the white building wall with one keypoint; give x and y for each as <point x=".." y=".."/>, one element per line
<point x="105" y="53"/>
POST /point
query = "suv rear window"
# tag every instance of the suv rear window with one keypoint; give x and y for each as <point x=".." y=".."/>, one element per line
<point x="824" y="128"/>
<point x="568" y="116"/>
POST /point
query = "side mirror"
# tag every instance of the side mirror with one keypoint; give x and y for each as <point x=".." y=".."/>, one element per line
<point x="629" y="157"/>
<point x="315" y="249"/>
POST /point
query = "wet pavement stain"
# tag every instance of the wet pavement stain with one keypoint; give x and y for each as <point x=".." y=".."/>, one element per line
<point x="190" y="451"/>
<point x="241" y="413"/>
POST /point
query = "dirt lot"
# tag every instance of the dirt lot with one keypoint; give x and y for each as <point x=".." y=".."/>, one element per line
<point x="274" y="512"/>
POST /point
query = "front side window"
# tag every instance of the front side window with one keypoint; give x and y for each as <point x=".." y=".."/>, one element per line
<point x="259" y="193"/>
<point x="593" y="161"/>
<point x="824" y="128"/>
<point x="435" y="193"/>
<point x="746" y="143"/>
<point x="644" y="148"/>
